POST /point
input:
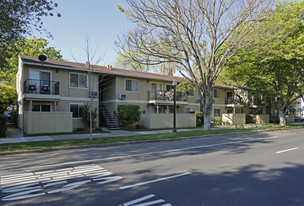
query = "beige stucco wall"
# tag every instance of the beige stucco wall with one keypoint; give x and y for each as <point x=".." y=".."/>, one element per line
<point x="47" y="122"/>
<point x="67" y="95"/>
<point x="166" y="120"/>
<point x="261" y="118"/>
<point x="234" y="119"/>
<point x="290" y="118"/>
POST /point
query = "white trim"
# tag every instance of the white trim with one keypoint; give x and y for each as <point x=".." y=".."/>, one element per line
<point x="85" y="99"/>
<point x="194" y="104"/>
<point x="78" y="80"/>
<point x="125" y="101"/>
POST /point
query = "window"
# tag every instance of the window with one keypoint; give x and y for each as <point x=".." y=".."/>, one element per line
<point x="131" y="85"/>
<point x="216" y="93"/>
<point x="169" y="88"/>
<point x="260" y="110"/>
<point x="78" y="80"/>
<point x="229" y="111"/>
<point x="41" y="108"/>
<point x="217" y="112"/>
<point x="76" y="109"/>
<point x="189" y="110"/>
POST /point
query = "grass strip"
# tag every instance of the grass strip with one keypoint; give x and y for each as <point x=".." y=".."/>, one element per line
<point x="103" y="140"/>
<point x="66" y="133"/>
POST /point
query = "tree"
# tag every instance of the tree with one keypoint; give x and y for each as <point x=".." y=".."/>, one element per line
<point x="32" y="47"/>
<point x="85" y="114"/>
<point x="21" y="17"/>
<point x="274" y="68"/>
<point x="125" y="61"/>
<point x="7" y="94"/>
<point x="199" y="36"/>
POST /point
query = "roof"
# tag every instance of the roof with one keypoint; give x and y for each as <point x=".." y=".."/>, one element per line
<point x="29" y="60"/>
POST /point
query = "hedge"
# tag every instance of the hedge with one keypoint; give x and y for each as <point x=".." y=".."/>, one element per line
<point x="3" y="120"/>
<point x="128" y="113"/>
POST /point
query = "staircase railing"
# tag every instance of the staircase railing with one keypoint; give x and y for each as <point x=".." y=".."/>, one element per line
<point x="116" y="116"/>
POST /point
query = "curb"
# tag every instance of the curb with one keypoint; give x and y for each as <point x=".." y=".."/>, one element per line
<point x="137" y="142"/>
<point x="119" y="143"/>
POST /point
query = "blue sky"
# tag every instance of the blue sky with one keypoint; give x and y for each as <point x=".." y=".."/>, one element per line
<point x="100" y="20"/>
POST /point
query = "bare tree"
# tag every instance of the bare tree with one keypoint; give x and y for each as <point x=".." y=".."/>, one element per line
<point x="90" y="67"/>
<point x="199" y="36"/>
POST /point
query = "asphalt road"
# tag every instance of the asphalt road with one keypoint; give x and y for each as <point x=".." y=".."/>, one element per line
<point x="253" y="169"/>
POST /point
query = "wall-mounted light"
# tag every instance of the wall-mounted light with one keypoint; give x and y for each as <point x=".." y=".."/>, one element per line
<point x="57" y="70"/>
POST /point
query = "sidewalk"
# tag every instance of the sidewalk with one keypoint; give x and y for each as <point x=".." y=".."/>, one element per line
<point x="15" y="134"/>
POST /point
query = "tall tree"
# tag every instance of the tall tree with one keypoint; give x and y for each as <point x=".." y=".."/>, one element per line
<point x="274" y="68"/>
<point x="21" y="17"/>
<point x="32" y="47"/>
<point x="199" y="36"/>
<point x="126" y="61"/>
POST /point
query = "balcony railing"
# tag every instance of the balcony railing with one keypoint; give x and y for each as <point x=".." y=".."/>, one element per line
<point x="35" y="86"/>
<point x="255" y="101"/>
<point x="231" y="100"/>
<point x="167" y="95"/>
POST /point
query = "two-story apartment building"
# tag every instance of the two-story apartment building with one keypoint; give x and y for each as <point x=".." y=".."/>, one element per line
<point x="51" y="93"/>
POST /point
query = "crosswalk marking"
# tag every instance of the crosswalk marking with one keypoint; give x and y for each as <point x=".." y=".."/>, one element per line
<point x="33" y="184"/>
<point x="146" y="201"/>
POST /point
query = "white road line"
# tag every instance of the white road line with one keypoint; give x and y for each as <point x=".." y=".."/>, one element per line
<point x="287" y="150"/>
<point x="139" y="200"/>
<point x="150" y="203"/>
<point x="148" y="153"/>
<point x="156" y="180"/>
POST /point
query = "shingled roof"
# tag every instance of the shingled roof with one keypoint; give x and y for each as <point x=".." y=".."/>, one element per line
<point x="29" y="60"/>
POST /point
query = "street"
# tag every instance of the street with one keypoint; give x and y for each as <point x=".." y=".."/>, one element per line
<point x="224" y="170"/>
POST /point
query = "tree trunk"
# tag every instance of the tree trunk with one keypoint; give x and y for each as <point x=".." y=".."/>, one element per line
<point x="208" y="109"/>
<point x="282" y="116"/>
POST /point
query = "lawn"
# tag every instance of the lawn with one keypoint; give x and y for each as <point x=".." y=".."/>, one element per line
<point x="78" y="142"/>
<point x="104" y="140"/>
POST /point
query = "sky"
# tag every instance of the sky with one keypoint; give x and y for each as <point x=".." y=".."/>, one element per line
<point x="99" y="20"/>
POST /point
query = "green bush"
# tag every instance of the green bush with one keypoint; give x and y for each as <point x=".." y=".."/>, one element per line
<point x="128" y="113"/>
<point x="199" y="118"/>
<point x="250" y="119"/>
<point x="3" y="120"/>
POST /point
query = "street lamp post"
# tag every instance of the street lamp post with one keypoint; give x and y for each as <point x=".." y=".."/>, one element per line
<point x="174" y="83"/>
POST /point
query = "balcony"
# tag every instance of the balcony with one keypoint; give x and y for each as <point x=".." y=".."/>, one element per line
<point x="34" y="88"/>
<point x="255" y="102"/>
<point x="166" y="97"/>
<point x="229" y="101"/>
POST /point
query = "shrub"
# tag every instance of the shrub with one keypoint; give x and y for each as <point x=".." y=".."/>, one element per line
<point x="128" y="113"/>
<point x="199" y="118"/>
<point x="3" y="120"/>
<point x="249" y="119"/>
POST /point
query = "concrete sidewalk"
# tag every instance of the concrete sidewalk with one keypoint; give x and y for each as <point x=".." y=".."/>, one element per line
<point x="15" y="135"/>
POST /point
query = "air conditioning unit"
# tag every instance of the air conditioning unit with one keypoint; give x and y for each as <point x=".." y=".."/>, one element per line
<point x="122" y="96"/>
<point x="93" y="94"/>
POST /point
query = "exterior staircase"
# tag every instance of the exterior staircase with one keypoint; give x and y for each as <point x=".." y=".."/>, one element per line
<point x="108" y="117"/>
